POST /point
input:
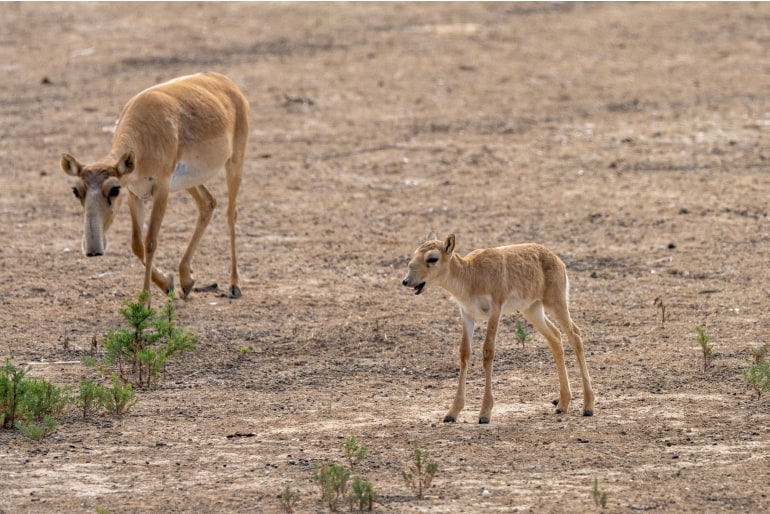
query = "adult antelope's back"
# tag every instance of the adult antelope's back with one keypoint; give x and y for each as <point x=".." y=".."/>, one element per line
<point x="169" y="137"/>
<point x="487" y="283"/>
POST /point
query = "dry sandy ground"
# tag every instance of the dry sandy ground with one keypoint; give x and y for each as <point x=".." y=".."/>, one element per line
<point x="632" y="139"/>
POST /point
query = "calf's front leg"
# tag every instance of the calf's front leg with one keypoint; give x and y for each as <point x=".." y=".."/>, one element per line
<point x="465" y="356"/>
<point x="489" y="354"/>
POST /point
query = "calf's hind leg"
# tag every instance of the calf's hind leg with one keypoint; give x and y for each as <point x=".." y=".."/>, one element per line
<point x="561" y="314"/>
<point x="536" y="315"/>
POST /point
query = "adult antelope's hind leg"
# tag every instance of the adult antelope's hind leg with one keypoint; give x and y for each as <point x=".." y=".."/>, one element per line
<point x="206" y="204"/>
<point x="234" y="169"/>
<point x="136" y="209"/>
<point x="536" y="315"/>
<point x="465" y="356"/>
<point x="489" y="355"/>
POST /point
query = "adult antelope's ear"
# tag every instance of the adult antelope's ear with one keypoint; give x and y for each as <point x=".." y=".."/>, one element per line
<point x="70" y="165"/>
<point x="126" y="164"/>
<point x="431" y="236"/>
<point x="449" y="244"/>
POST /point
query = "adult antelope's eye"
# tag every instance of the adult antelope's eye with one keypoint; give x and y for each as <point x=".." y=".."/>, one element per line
<point x="114" y="191"/>
<point x="431" y="260"/>
<point x="76" y="192"/>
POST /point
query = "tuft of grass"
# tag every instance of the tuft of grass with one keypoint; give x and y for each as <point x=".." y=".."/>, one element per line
<point x="758" y="373"/>
<point x="289" y="499"/>
<point x="521" y="333"/>
<point x="600" y="497"/>
<point x="708" y="350"/>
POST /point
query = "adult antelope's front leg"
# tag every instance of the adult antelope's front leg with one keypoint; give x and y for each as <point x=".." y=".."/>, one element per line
<point x="489" y="355"/>
<point x="465" y="356"/>
<point x="159" y="203"/>
<point x="136" y="208"/>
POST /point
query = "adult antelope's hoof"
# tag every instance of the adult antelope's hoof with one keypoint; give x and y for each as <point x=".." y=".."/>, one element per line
<point x="483" y="420"/>
<point x="170" y="289"/>
<point x="588" y="413"/>
<point x="555" y="402"/>
<point x="234" y="292"/>
<point x="186" y="289"/>
<point x="449" y="419"/>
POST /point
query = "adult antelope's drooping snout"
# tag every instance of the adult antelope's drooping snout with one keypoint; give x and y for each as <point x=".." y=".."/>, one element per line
<point x="169" y="137"/>
<point x="488" y="283"/>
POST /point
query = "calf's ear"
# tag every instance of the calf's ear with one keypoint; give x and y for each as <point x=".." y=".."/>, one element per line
<point x="449" y="244"/>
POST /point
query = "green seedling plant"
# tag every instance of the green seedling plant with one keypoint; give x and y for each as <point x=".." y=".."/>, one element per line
<point x="31" y="405"/>
<point x="119" y="398"/>
<point x="758" y="373"/>
<point x="289" y="499"/>
<point x="521" y="333"/>
<point x="11" y="379"/>
<point x="37" y="430"/>
<point x="333" y="480"/>
<point x="141" y="351"/>
<point x="362" y="494"/>
<point x="708" y="350"/>
<point x="40" y="398"/>
<point x="354" y="453"/>
<point x="90" y="398"/>
<point x="421" y="472"/>
<point x="600" y="497"/>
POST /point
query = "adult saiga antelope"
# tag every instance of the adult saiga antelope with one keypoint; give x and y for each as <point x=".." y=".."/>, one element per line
<point x="487" y="283"/>
<point x="170" y="137"/>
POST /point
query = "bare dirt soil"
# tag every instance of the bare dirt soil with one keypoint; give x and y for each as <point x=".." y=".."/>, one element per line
<point x="632" y="139"/>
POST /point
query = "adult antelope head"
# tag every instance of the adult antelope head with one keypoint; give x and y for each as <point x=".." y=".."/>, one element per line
<point x="98" y="188"/>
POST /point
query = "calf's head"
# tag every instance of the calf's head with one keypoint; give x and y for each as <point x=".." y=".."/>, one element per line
<point x="98" y="188"/>
<point x="429" y="264"/>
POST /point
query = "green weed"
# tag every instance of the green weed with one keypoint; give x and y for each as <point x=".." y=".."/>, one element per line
<point x="421" y="472"/>
<point x="708" y="350"/>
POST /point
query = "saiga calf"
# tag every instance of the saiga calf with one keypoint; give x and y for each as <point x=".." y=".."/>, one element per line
<point x="170" y="137"/>
<point x="487" y="283"/>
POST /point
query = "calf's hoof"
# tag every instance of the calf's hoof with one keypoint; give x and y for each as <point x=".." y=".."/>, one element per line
<point x="483" y="420"/>
<point x="234" y="292"/>
<point x="449" y="419"/>
<point x="588" y="413"/>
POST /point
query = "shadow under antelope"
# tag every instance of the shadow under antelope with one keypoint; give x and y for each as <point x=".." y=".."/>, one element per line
<point x="486" y="283"/>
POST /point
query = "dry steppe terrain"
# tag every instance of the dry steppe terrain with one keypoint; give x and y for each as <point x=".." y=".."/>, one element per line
<point x="632" y="139"/>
